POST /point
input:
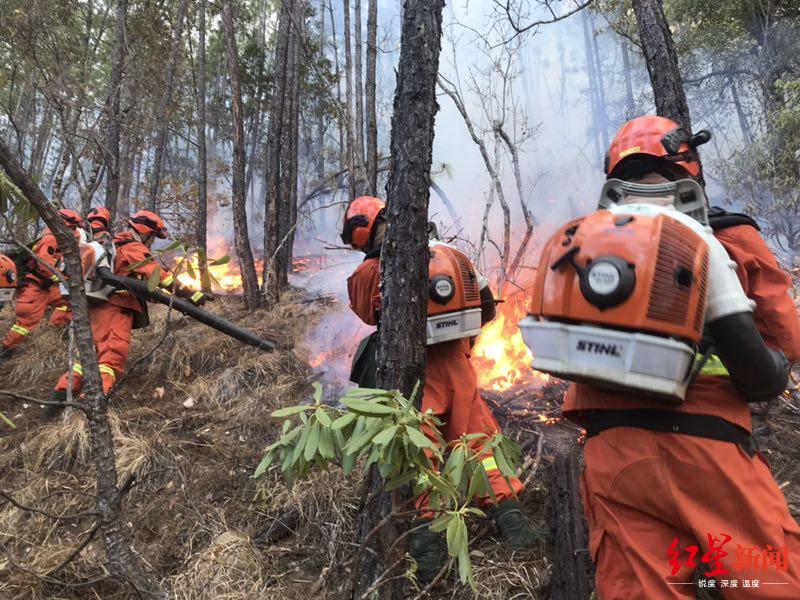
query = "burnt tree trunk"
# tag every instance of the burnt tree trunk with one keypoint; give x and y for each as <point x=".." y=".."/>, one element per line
<point x="630" y="104"/>
<point x="572" y="563"/>
<point x="371" y="110"/>
<point x="114" y="93"/>
<point x="201" y="231"/>
<point x="404" y="257"/>
<point x="662" y="62"/>
<point x="337" y="72"/>
<point x="241" y="237"/>
<point x="123" y="562"/>
<point x="162" y="117"/>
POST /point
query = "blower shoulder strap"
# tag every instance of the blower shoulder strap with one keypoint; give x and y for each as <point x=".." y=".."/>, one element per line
<point x="719" y="218"/>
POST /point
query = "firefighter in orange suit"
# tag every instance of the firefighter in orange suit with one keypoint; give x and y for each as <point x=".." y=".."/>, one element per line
<point x="39" y="288"/>
<point x="667" y="488"/>
<point x="99" y="220"/>
<point x="450" y="390"/>
<point x="113" y="320"/>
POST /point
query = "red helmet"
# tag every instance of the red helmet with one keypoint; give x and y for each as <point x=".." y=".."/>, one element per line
<point x="145" y="222"/>
<point x="8" y="272"/>
<point x="656" y="137"/>
<point x="99" y="218"/>
<point x="359" y="221"/>
<point x="71" y="218"/>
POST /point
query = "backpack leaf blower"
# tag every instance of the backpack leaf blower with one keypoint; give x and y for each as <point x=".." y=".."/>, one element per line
<point x="623" y="296"/>
<point x="454" y="300"/>
<point x="140" y="288"/>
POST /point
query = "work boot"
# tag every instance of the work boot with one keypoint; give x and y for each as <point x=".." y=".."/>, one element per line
<point x="514" y="525"/>
<point x="5" y="354"/>
<point x="50" y="411"/>
<point x="425" y="546"/>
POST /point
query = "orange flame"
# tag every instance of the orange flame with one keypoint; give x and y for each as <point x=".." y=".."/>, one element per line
<point x="500" y="357"/>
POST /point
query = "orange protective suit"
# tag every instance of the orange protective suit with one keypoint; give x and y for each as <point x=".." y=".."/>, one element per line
<point x="112" y="321"/>
<point x="642" y="489"/>
<point x="38" y="291"/>
<point x="451" y="385"/>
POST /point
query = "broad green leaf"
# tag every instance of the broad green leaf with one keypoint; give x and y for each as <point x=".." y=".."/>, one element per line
<point x="357" y="443"/>
<point x="456" y="536"/>
<point x="441" y="522"/>
<point x="465" y="569"/>
<point x="326" y="447"/>
<point x="505" y="468"/>
<point x="317" y="392"/>
<point x="385" y="436"/>
<point x="153" y="280"/>
<point x="343" y="421"/>
<point x="323" y="417"/>
<point x="290" y="410"/>
<point x="297" y="451"/>
<point x="263" y="466"/>
<point x="363" y="407"/>
<point x="222" y="260"/>
<point x="312" y="443"/>
<point x="348" y="463"/>
<point x="419" y="439"/>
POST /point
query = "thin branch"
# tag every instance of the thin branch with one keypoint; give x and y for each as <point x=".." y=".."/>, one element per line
<point x="47" y="514"/>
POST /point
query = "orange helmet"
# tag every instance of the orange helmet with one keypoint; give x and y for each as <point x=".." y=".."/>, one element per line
<point x="145" y="222"/>
<point x="655" y="137"/>
<point x="99" y="218"/>
<point x="8" y="272"/>
<point x="71" y="218"/>
<point x="359" y="221"/>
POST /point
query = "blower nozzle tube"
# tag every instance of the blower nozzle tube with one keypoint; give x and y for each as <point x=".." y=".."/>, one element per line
<point x="140" y="288"/>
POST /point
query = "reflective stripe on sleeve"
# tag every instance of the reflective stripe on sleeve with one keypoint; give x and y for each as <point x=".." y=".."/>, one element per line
<point x="713" y="366"/>
<point x="77" y="368"/>
<point x="108" y="371"/>
<point x="167" y="280"/>
<point x="196" y="296"/>
<point x="62" y="308"/>
<point x="20" y="329"/>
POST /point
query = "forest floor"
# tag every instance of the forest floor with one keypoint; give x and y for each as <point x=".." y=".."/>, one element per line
<point x="190" y="421"/>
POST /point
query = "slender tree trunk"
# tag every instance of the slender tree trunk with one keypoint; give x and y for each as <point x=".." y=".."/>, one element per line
<point x="747" y="135"/>
<point x="123" y="562"/>
<point x="350" y="153"/>
<point x="662" y="62"/>
<point x="162" y="117"/>
<point x="241" y="237"/>
<point x="593" y="87"/>
<point x="404" y="257"/>
<point x="372" y="116"/>
<point x="602" y="105"/>
<point x="320" y="108"/>
<point x="359" y="87"/>
<point x="202" y="166"/>
<point x="275" y="155"/>
<point x="113" y="116"/>
<point x="630" y="104"/>
<point x="337" y="71"/>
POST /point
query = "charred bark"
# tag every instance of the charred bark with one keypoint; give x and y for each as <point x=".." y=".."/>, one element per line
<point x="113" y="116"/>
<point x="123" y="562"/>
<point x="371" y="109"/>
<point x="572" y="568"/>
<point x="162" y="117"/>
<point x="662" y="62"/>
<point x="241" y="237"/>
<point x="404" y="257"/>
<point x="359" y="87"/>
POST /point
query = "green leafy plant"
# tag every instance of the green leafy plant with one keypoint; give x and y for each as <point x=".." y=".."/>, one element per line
<point x="384" y="428"/>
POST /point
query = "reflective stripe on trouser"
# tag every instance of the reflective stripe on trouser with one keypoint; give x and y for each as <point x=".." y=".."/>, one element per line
<point x="712" y="367"/>
<point x="62" y="315"/>
<point x="32" y="302"/>
<point x="451" y="392"/>
<point x="111" y="330"/>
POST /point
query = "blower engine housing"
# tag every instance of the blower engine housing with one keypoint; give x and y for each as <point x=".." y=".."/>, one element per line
<point x="454" y="300"/>
<point x="8" y="278"/>
<point x="620" y="301"/>
<point x="93" y="256"/>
